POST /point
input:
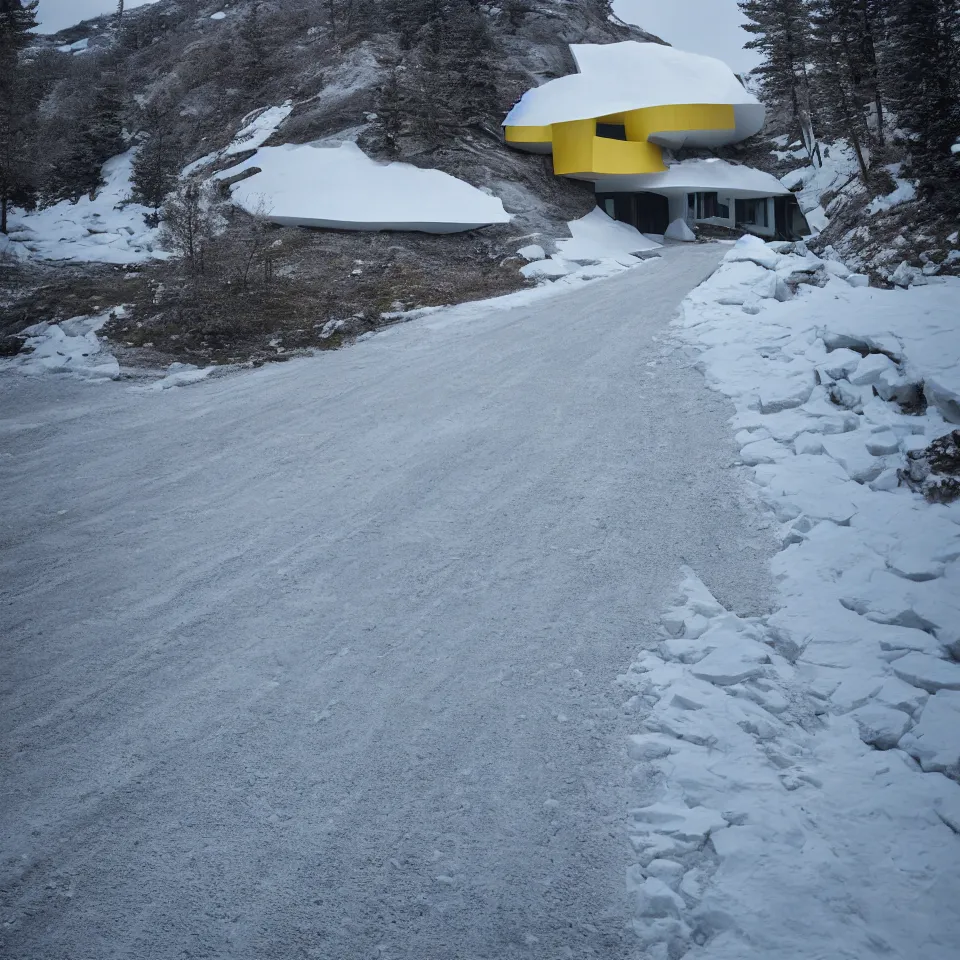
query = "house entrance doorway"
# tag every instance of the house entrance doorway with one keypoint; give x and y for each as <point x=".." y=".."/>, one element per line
<point x="648" y="212"/>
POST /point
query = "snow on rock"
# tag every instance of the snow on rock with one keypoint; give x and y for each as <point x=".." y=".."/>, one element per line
<point x="871" y="368"/>
<point x="753" y="250"/>
<point x="881" y="726"/>
<point x="70" y="347"/>
<point x="837" y="169"/>
<point x="597" y="237"/>
<point x="340" y="187"/>
<point x="105" y="229"/>
<point x="258" y="127"/>
<point x="904" y="192"/>
<point x="11" y="249"/>
<point x="532" y="252"/>
<point x="180" y="375"/>
<point x="678" y="230"/>
<point x="928" y="673"/>
<point x="219" y="15"/>
<point x="547" y="269"/>
<point x="79" y="46"/>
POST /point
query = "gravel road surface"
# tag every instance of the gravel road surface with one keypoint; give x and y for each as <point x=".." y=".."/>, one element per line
<point x="320" y="660"/>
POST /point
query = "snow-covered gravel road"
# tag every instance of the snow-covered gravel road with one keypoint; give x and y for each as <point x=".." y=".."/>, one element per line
<point x="319" y="660"/>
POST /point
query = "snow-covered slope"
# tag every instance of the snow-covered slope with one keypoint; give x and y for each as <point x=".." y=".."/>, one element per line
<point x="108" y="228"/>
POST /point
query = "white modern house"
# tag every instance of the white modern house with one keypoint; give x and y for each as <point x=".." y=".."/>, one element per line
<point x="624" y="118"/>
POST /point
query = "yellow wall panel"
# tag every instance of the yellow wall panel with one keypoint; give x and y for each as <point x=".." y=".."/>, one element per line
<point x="573" y="147"/>
<point x="676" y="118"/>
<point x="528" y="134"/>
<point x="578" y="151"/>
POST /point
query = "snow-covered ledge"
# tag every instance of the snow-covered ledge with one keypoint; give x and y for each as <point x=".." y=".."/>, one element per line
<point x="339" y="187"/>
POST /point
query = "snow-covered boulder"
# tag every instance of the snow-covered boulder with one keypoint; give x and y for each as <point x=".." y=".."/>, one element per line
<point x="752" y="249"/>
<point x="70" y="347"/>
<point x="679" y="230"/>
<point x="928" y="673"/>
<point x="532" y="252"/>
<point x="881" y="726"/>
<point x="907" y="276"/>
<point x="871" y="368"/>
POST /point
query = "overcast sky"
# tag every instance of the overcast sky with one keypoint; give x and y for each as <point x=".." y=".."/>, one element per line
<point x="700" y="26"/>
<point x="54" y="15"/>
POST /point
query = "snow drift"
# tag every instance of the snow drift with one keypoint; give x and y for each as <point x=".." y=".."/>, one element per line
<point x="341" y="188"/>
<point x="598" y="237"/>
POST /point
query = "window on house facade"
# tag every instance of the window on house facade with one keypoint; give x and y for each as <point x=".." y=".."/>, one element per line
<point x="612" y="131"/>
<point x="703" y="206"/>
<point x="753" y="213"/>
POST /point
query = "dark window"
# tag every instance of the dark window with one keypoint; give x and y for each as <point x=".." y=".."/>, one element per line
<point x="752" y="213"/>
<point x="703" y="206"/>
<point x="648" y="212"/>
<point x="612" y="131"/>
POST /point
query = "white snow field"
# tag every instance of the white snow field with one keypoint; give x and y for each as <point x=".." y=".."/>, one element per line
<point x="619" y="77"/>
<point x="320" y="659"/>
<point x="819" y="748"/>
<point x="340" y="187"/>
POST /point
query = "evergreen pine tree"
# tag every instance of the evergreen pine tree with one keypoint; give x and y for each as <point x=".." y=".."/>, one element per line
<point x="251" y="64"/>
<point x="924" y="74"/>
<point x="781" y="33"/>
<point x="157" y="163"/>
<point x="106" y="126"/>
<point x="17" y="106"/>
<point x="17" y="19"/>
<point x="836" y="50"/>
<point x="390" y="115"/>
<point x="468" y="48"/>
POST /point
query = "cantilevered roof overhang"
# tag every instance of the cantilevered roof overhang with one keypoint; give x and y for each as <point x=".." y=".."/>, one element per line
<point x="695" y="176"/>
<point x="642" y="82"/>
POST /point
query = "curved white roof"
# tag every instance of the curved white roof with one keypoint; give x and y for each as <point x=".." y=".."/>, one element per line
<point x="617" y="77"/>
<point x="711" y="174"/>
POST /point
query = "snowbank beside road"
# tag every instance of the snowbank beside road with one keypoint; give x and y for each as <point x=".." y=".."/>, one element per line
<point x="340" y="187"/>
<point x="70" y="347"/>
<point x="818" y="748"/>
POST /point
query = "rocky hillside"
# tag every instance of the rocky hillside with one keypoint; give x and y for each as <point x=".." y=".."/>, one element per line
<point x="423" y="81"/>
